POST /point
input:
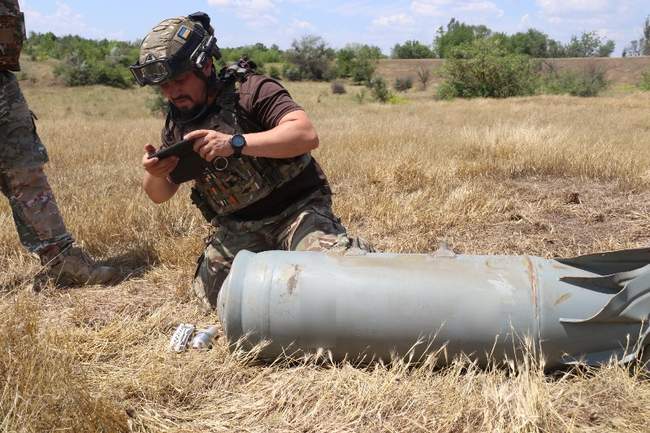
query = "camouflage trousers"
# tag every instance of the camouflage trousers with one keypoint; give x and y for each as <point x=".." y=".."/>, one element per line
<point x="22" y="180"/>
<point x="309" y="225"/>
<point x="20" y="145"/>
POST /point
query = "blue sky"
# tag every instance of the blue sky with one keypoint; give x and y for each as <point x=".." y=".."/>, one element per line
<point x="383" y="23"/>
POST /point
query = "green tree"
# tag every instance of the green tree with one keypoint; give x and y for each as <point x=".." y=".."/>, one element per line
<point x="532" y="43"/>
<point x="85" y="61"/>
<point x="589" y="44"/>
<point x="646" y="37"/>
<point x="357" y="61"/>
<point x="412" y="50"/>
<point x="556" y="49"/>
<point x="379" y="90"/>
<point x="486" y="69"/>
<point x="344" y="60"/>
<point x="456" y="35"/>
<point x="312" y="57"/>
<point x="640" y="47"/>
<point x="259" y="53"/>
<point x="606" y="49"/>
<point x="589" y="82"/>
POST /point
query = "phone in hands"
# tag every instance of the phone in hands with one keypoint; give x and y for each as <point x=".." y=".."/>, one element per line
<point x="190" y="164"/>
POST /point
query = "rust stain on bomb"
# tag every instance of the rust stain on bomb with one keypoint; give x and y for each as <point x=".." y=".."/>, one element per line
<point x="562" y="299"/>
<point x="292" y="282"/>
<point x="532" y="275"/>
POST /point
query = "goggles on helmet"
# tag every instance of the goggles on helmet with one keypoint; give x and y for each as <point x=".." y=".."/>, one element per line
<point x="192" y="54"/>
<point x="156" y="71"/>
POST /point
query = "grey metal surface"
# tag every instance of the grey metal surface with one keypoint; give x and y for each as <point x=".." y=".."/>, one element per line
<point x="380" y="305"/>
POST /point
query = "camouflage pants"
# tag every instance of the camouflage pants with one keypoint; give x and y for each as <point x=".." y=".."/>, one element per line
<point x="36" y="214"/>
<point x="306" y="226"/>
<point x="22" y="180"/>
<point x="20" y="145"/>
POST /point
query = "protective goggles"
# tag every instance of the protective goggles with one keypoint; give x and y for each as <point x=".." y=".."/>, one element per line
<point x="156" y="71"/>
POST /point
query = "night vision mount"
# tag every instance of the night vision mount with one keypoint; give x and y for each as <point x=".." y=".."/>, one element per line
<point x="208" y="47"/>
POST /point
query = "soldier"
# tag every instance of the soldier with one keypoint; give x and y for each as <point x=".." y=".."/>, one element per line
<point x="22" y="180"/>
<point x="259" y="187"/>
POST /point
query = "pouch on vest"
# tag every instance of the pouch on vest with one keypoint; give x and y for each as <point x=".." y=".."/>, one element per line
<point x="12" y="35"/>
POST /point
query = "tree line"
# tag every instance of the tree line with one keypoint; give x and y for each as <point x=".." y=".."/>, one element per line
<point x="85" y="61"/>
<point x="533" y="43"/>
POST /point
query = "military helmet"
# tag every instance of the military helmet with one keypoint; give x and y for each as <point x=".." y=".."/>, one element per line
<point x="175" y="46"/>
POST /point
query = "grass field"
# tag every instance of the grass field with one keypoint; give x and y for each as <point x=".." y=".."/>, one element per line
<point x="550" y="176"/>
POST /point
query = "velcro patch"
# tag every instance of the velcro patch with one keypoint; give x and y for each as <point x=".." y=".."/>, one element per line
<point x="184" y="33"/>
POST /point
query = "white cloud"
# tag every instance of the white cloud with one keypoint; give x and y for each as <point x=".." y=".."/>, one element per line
<point x="256" y="13"/>
<point x="581" y="13"/>
<point x="355" y="8"/>
<point x="301" y="25"/>
<point x="438" y="8"/>
<point x="430" y="7"/>
<point x="485" y="7"/>
<point x="63" y="21"/>
<point x="610" y="19"/>
<point x="566" y="7"/>
<point x="246" y="6"/>
<point x="393" y="20"/>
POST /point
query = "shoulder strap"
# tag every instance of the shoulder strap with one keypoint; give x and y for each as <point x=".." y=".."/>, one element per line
<point x="232" y="76"/>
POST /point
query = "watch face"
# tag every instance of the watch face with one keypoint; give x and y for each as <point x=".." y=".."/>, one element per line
<point x="238" y="140"/>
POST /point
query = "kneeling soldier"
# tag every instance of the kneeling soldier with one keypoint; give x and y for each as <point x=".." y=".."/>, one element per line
<point x="258" y="185"/>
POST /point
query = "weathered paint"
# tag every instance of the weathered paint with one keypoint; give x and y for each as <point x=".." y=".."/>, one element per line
<point x="379" y="305"/>
<point x="565" y="297"/>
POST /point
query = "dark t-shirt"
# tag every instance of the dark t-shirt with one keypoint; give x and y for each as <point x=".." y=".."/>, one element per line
<point x="263" y="102"/>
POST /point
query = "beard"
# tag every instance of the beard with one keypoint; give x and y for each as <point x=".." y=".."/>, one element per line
<point x="198" y="109"/>
<point x="186" y="114"/>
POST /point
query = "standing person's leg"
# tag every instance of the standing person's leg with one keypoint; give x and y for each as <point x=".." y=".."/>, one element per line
<point x="36" y="215"/>
<point x="22" y="180"/>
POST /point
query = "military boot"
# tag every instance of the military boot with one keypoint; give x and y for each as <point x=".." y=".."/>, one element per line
<point x="72" y="266"/>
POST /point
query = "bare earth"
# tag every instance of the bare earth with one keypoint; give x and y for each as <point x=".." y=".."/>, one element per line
<point x="550" y="176"/>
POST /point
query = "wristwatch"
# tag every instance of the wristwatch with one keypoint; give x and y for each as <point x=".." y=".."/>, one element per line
<point x="237" y="142"/>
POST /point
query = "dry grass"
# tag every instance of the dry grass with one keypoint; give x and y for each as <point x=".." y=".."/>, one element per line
<point x="487" y="176"/>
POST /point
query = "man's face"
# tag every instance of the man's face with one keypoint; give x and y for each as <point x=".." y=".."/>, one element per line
<point x="185" y="92"/>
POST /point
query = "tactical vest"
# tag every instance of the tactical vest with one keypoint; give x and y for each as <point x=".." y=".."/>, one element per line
<point x="12" y="35"/>
<point x="231" y="184"/>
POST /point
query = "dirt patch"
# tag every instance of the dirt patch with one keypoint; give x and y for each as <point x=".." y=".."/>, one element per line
<point x="543" y="222"/>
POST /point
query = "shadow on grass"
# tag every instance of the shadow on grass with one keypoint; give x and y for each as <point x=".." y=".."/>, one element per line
<point x="19" y="274"/>
<point x="133" y="263"/>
